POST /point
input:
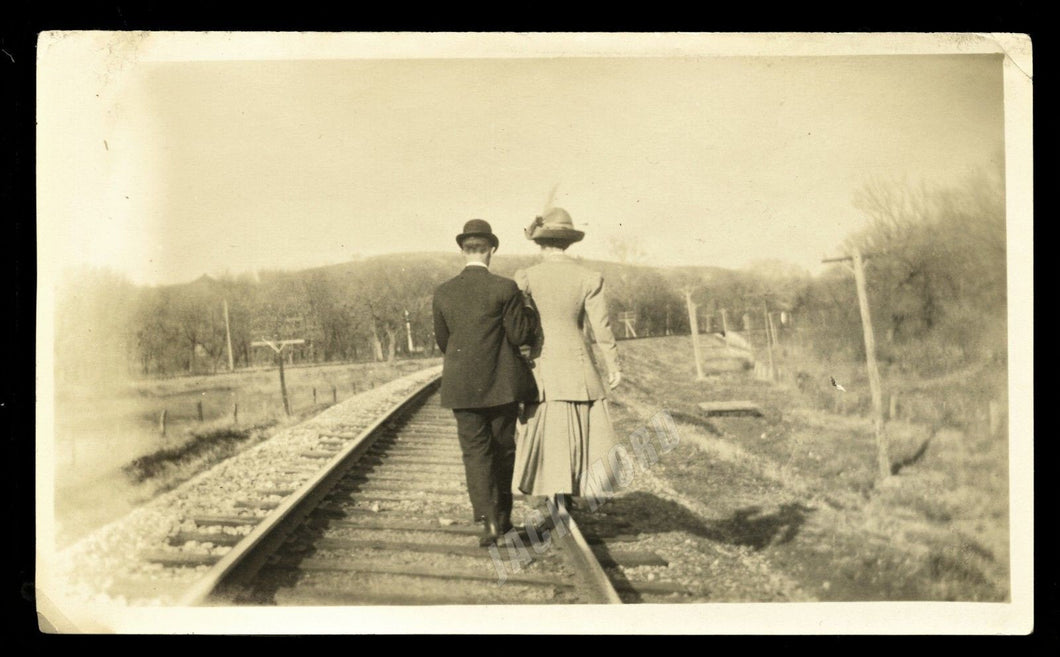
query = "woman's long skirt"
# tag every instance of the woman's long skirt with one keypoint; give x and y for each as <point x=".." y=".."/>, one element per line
<point x="563" y="448"/>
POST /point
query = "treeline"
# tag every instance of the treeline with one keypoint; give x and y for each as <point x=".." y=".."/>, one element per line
<point x="372" y="309"/>
<point x="936" y="276"/>
<point x="936" y="282"/>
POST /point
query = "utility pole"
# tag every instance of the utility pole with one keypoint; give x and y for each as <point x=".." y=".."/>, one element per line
<point x="228" y="339"/>
<point x="769" y="342"/>
<point x="693" y="322"/>
<point x="277" y="346"/>
<point x="883" y="458"/>
<point x="408" y="331"/>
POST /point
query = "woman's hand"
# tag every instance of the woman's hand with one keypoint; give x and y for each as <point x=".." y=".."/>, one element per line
<point x="613" y="379"/>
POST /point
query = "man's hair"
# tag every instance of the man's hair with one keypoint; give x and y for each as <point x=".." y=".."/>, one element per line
<point x="557" y="242"/>
<point x="475" y="244"/>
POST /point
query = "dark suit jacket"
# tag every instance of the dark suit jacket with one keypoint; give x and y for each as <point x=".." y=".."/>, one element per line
<point x="480" y="321"/>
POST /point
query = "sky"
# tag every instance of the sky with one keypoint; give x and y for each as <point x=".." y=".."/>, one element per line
<point x="166" y="167"/>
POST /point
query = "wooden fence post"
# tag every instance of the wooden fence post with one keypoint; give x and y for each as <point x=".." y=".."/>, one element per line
<point x="235" y="413"/>
<point x="334" y="395"/>
<point x="199" y="406"/>
<point x="162" y="422"/>
<point x="314" y="396"/>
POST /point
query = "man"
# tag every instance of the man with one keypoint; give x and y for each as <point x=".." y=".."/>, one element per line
<point x="480" y="321"/>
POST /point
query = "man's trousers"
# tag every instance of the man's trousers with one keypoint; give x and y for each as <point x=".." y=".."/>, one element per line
<point x="487" y="441"/>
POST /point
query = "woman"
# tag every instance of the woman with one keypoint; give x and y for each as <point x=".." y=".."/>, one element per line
<point x="565" y="436"/>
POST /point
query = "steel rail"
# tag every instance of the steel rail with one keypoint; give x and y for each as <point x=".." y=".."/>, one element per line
<point x="246" y="558"/>
<point x="595" y="580"/>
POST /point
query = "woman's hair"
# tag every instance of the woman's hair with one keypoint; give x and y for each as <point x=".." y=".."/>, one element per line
<point x="556" y="242"/>
<point x="475" y="244"/>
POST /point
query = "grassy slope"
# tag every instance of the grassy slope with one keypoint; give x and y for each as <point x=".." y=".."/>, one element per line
<point x="794" y="492"/>
<point x="138" y="467"/>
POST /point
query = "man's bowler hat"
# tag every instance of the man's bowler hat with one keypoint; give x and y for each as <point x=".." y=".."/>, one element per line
<point x="478" y="228"/>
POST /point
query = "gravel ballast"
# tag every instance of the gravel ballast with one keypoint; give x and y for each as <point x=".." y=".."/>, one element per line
<point x="107" y="566"/>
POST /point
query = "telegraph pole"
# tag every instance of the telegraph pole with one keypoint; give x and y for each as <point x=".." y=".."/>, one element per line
<point x="408" y="331"/>
<point x="277" y="346"/>
<point x="693" y="322"/>
<point x="883" y="458"/>
<point x="228" y="339"/>
<point x="769" y="342"/>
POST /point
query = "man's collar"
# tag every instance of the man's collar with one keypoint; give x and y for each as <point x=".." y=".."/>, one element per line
<point x="477" y="264"/>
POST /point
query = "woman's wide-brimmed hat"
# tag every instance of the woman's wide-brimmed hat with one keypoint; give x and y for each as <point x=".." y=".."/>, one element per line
<point x="478" y="228"/>
<point x="555" y="224"/>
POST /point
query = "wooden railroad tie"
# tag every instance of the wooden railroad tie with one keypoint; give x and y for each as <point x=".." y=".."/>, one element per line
<point x="217" y="538"/>
<point x="180" y="559"/>
<point x="347" y="565"/>
<point x="209" y="521"/>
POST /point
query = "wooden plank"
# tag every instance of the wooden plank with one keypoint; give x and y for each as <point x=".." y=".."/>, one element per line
<point x="722" y="408"/>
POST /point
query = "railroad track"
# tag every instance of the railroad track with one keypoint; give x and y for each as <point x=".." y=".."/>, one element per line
<point x="382" y="519"/>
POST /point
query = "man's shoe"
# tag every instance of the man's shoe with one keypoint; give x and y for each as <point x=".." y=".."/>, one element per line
<point x="504" y="521"/>
<point x="491" y="532"/>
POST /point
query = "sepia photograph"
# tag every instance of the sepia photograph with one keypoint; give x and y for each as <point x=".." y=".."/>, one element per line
<point x="494" y="333"/>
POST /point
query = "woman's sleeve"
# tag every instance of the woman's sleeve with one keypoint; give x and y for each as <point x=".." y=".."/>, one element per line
<point x="522" y="280"/>
<point x="520" y="318"/>
<point x="600" y="320"/>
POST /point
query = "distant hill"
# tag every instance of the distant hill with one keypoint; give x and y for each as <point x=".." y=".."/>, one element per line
<point x="507" y="265"/>
<point x="372" y="308"/>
